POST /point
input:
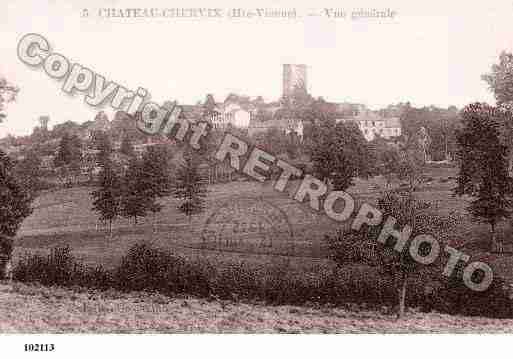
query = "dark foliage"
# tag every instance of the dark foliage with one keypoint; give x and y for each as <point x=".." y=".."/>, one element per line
<point x="483" y="162"/>
<point x="134" y="202"/>
<point x="127" y="148"/>
<point x="190" y="185"/>
<point x="15" y="200"/>
<point x="340" y="153"/>
<point x="107" y="198"/>
<point x="62" y="269"/>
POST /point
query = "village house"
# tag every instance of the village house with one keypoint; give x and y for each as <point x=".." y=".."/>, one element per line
<point x="371" y="124"/>
<point x="286" y="125"/>
<point x="235" y="111"/>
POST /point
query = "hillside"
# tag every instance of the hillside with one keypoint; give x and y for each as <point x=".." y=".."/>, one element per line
<point x="64" y="217"/>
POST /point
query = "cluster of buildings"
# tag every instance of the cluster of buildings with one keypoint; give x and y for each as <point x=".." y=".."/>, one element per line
<point x="256" y="116"/>
<point x="372" y="125"/>
<point x="253" y="115"/>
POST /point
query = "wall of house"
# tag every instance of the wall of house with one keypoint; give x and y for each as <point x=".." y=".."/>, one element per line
<point x="240" y="118"/>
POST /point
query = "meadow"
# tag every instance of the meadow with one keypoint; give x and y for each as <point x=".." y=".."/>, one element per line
<point x="244" y="221"/>
<point x="253" y="246"/>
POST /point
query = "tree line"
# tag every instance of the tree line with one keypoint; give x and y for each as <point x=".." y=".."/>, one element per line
<point x="133" y="192"/>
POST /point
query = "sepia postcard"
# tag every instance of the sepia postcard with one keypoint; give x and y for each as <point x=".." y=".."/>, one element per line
<point x="265" y="167"/>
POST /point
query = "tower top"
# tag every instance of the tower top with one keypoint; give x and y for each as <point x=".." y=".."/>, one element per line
<point x="294" y="78"/>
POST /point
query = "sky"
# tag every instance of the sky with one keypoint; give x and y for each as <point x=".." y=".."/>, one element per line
<point x="430" y="53"/>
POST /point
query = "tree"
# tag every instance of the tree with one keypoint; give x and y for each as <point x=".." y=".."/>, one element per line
<point x="292" y="145"/>
<point x="127" y="148"/>
<point x="101" y="142"/>
<point x="483" y="173"/>
<point x="500" y="79"/>
<point x="8" y="93"/>
<point x="208" y="147"/>
<point x="277" y="141"/>
<point x="68" y="127"/>
<point x="134" y="202"/>
<point x="28" y="171"/>
<point x="411" y="164"/>
<point x="393" y="260"/>
<point x="90" y="162"/>
<point x="107" y="198"/>
<point x="123" y="125"/>
<point x="15" y="206"/>
<point x="439" y="123"/>
<point x="69" y="157"/>
<point x="387" y="159"/>
<point x="271" y="140"/>
<point x="190" y="186"/>
<point x="500" y="82"/>
<point x="156" y="171"/>
<point x="340" y="153"/>
<point x="154" y="181"/>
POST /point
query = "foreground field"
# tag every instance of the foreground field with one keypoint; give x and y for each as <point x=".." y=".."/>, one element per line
<point x="286" y="231"/>
<point x="33" y="309"/>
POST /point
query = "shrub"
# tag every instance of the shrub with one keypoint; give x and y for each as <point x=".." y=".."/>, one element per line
<point x="146" y="268"/>
<point x="93" y="277"/>
<point x="405" y="274"/>
<point x="455" y="298"/>
<point x="54" y="269"/>
<point x="234" y="281"/>
<point x="60" y="268"/>
<point x="6" y="248"/>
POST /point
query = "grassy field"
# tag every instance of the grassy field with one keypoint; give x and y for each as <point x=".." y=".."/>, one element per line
<point x="35" y="309"/>
<point x="244" y="221"/>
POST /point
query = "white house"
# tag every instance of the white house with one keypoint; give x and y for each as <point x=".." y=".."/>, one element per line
<point x="233" y="114"/>
<point x="371" y="124"/>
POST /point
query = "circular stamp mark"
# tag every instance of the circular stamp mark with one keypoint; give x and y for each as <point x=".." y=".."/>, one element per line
<point x="245" y="223"/>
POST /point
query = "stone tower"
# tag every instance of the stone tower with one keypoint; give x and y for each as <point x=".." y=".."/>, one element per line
<point x="294" y="78"/>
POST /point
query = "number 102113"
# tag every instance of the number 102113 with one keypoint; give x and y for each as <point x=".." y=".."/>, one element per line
<point x="39" y="347"/>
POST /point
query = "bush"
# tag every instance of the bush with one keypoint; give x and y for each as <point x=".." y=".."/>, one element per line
<point x="146" y="268"/>
<point x="6" y="246"/>
<point x="60" y="268"/>
<point x="55" y="269"/>
<point x="454" y="297"/>
<point x="234" y="281"/>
